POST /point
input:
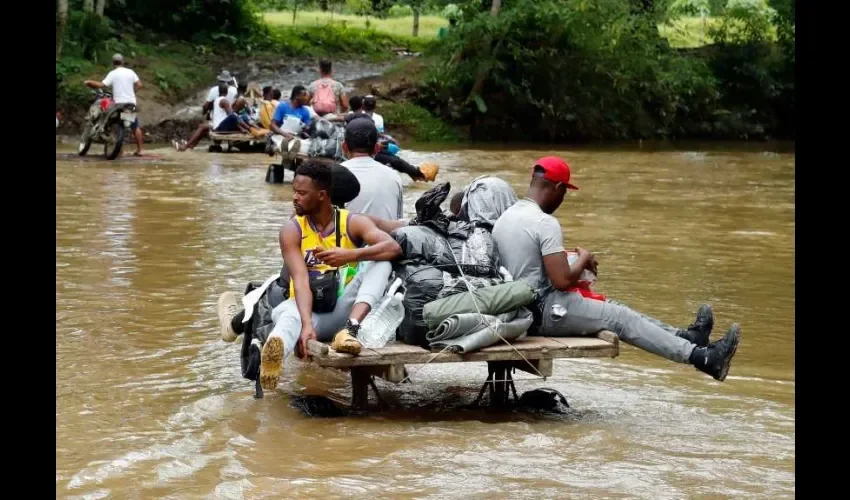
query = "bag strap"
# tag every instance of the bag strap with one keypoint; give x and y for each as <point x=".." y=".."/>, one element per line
<point x="336" y="226"/>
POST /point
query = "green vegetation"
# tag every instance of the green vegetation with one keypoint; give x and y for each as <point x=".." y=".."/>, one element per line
<point x="572" y="69"/>
<point x="397" y="26"/>
<point x="522" y="69"/>
<point x="417" y="122"/>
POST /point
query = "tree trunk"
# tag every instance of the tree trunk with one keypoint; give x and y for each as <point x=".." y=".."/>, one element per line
<point x="495" y="7"/>
<point x="416" y="21"/>
<point x="482" y="73"/>
<point x="88" y="5"/>
<point x="62" y="19"/>
<point x="294" y="12"/>
<point x="99" y="6"/>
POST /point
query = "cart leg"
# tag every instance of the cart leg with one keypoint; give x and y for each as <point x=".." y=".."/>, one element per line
<point x="360" y="379"/>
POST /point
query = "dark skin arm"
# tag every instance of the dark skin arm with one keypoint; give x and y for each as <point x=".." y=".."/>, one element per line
<point x="290" y="247"/>
<point x="381" y="245"/>
<point x="562" y="274"/>
<point x="385" y="225"/>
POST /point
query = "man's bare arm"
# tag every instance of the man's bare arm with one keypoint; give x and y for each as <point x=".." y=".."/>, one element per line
<point x="561" y="273"/>
<point x="290" y="248"/>
<point x="385" y="225"/>
<point x="381" y="245"/>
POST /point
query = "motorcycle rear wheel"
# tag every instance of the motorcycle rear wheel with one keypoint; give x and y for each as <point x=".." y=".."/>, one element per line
<point x="116" y="140"/>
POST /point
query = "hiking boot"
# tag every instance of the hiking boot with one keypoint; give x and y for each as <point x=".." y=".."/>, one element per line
<point x="698" y="332"/>
<point x="270" y="362"/>
<point x="229" y="305"/>
<point x="345" y="341"/>
<point x="715" y="358"/>
<point x="429" y="171"/>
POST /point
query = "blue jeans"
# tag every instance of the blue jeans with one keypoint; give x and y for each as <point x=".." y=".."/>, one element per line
<point x="229" y="124"/>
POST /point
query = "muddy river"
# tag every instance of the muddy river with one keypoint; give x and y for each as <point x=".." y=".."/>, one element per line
<point x="150" y="402"/>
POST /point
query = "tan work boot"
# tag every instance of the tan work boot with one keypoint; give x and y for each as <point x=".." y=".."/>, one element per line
<point x="429" y="170"/>
<point x="344" y="340"/>
<point x="229" y="305"/>
<point x="270" y="361"/>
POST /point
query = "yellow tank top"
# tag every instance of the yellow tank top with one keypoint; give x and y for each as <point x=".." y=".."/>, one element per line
<point x="311" y="238"/>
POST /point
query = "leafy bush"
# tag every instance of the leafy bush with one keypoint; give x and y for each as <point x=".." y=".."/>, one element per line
<point x="745" y="21"/>
<point x="559" y="69"/>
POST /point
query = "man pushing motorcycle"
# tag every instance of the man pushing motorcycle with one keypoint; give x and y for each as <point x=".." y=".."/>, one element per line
<point x="125" y="83"/>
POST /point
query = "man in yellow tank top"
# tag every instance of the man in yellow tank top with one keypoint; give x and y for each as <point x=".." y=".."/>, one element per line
<point x="309" y="245"/>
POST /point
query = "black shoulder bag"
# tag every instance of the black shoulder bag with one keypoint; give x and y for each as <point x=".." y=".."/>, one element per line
<point x="325" y="285"/>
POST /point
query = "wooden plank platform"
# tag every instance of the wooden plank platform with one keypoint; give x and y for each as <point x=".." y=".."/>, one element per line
<point x="234" y="137"/>
<point x="533" y="354"/>
<point x="603" y="345"/>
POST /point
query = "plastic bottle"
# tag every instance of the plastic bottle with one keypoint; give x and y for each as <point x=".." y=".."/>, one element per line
<point x="380" y="325"/>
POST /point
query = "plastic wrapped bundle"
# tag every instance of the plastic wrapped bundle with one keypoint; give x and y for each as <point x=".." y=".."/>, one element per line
<point x="326" y="141"/>
<point x="453" y="284"/>
<point x="421" y="284"/>
<point x="476" y="253"/>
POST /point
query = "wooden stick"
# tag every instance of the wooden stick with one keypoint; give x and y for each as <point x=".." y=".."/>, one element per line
<point x="317" y="348"/>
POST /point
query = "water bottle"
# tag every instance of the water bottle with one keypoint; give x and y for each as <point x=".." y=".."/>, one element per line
<point x="380" y="325"/>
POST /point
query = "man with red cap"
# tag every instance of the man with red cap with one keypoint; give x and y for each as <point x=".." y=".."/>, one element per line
<point x="529" y="243"/>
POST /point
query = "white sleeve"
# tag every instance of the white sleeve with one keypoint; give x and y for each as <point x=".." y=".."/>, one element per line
<point x="109" y="78"/>
<point x="212" y="94"/>
<point x="135" y="77"/>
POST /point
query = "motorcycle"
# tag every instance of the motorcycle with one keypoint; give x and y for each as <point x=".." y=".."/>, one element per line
<point x="107" y="123"/>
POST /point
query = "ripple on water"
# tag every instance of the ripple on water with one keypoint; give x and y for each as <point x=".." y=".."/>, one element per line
<point x="149" y="398"/>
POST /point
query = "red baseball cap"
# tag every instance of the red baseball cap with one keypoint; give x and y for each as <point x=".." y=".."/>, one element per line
<point x="556" y="170"/>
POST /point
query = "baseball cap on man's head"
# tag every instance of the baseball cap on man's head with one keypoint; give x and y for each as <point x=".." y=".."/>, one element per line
<point x="225" y="76"/>
<point x="555" y="170"/>
<point x="117" y="58"/>
<point x="360" y="131"/>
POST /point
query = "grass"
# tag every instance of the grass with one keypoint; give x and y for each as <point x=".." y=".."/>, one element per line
<point x="397" y="26"/>
<point x="417" y="122"/>
<point x="688" y="32"/>
<point x="173" y="69"/>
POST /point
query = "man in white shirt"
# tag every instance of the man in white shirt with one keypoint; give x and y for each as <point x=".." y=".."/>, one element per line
<point x="124" y="83"/>
<point x="369" y="105"/>
<point x="381" y="192"/>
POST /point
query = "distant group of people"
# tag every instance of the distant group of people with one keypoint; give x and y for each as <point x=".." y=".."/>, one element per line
<point x="286" y="123"/>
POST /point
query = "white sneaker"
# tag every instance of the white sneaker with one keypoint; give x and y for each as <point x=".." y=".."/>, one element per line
<point x="229" y="305"/>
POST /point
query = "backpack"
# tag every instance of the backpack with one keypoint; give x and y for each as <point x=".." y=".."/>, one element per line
<point x="324" y="101"/>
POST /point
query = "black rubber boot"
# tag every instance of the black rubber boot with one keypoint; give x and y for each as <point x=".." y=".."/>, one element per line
<point x="698" y="332"/>
<point x="716" y="358"/>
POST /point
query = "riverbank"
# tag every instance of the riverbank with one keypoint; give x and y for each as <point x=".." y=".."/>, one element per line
<point x="177" y="74"/>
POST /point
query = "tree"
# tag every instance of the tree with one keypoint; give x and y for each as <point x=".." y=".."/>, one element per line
<point x="88" y="5"/>
<point x="99" y="7"/>
<point x="62" y="20"/>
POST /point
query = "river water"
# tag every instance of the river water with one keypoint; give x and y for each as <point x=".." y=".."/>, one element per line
<point x="150" y="402"/>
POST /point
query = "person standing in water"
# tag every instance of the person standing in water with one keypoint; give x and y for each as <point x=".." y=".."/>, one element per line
<point x="125" y="84"/>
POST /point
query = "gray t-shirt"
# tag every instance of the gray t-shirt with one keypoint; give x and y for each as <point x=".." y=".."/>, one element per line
<point x="381" y="193"/>
<point x="523" y="235"/>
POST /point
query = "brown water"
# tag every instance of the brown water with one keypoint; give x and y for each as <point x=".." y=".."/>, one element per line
<point x="150" y="402"/>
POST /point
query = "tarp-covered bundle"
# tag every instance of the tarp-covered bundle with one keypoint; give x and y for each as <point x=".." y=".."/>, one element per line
<point x="326" y="140"/>
<point x="433" y="243"/>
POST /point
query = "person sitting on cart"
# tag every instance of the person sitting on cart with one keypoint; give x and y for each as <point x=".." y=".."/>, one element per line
<point x="289" y="121"/>
<point x="225" y="118"/>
